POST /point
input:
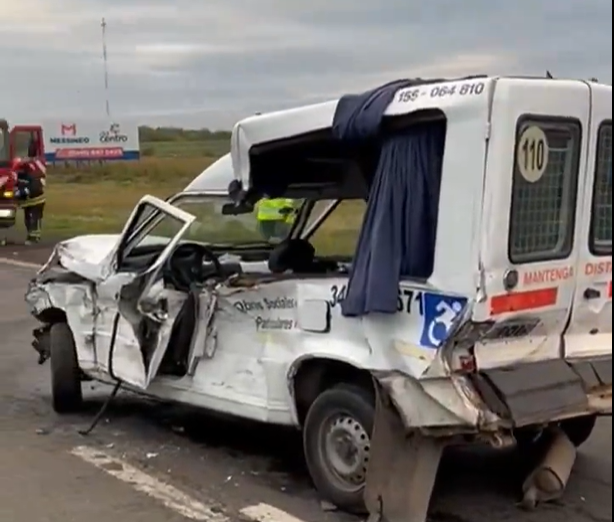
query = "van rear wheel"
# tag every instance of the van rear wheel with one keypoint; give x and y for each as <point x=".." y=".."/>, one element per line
<point x="578" y="430"/>
<point x="337" y="438"/>
<point x="66" y="389"/>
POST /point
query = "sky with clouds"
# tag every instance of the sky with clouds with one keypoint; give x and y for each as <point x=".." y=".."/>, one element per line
<point x="207" y="63"/>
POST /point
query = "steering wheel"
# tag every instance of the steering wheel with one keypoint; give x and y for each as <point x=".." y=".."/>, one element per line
<point x="187" y="265"/>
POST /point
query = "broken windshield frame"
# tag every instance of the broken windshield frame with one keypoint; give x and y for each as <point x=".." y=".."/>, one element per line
<point x="312" y="217"/>
<point x="211" y="226"/>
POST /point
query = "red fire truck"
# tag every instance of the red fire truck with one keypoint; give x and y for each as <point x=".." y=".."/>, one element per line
<point x="20" y="141"/>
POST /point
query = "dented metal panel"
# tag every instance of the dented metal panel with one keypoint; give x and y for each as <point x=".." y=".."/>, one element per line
<point x="539" y="392"/>
<point x="402" y="470"/>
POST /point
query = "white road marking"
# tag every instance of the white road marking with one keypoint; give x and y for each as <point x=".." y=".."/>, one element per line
<point x="166" y="494"/>
<point x="19" y="264"/>
<point x="266" y="513"/>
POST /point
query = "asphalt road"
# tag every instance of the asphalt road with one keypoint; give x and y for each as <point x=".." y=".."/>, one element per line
<point x="154" y="459"/>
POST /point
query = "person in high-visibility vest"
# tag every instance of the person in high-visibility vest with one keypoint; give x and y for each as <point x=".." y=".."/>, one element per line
<point x="30" y="194"/>
<point x="275" y="217"/>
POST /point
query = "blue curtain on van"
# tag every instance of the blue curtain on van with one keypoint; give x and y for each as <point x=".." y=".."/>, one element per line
<point x="399" y="231"/>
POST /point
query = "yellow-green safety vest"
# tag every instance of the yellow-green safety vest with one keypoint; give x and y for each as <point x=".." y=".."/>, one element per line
<point x="270" y="210"/>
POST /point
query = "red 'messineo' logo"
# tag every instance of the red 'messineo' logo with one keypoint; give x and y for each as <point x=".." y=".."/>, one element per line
<point x="68" y="129"/>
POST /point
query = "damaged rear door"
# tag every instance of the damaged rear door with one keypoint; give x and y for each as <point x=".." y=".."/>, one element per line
<point x="133" y="317"/>
<point x="533" y="212"/>
<point x="589" y="334"/>
<point x="529" y="251"/>
<point x="588" y="338"/>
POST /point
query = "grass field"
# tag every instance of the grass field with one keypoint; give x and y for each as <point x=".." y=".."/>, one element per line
<point x="186" y="149"/>
<point x="99" y="199"/>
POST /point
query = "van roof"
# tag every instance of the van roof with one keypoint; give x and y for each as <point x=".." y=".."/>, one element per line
<point x="215" y="178"/>
<point x="280" y="125"/>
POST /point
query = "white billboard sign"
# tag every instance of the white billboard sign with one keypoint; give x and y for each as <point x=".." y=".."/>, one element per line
<point x="93" y="140"/>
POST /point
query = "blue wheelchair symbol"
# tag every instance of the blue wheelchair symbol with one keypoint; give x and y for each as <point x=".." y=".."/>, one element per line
<point x="440" y="312"/>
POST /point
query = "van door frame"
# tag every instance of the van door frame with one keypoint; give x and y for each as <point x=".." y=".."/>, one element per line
<point x="109" y="290"/>
<point x="538" y="309"/>
<point x="589" y="333"/>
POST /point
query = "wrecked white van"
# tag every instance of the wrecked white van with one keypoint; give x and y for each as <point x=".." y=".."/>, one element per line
<point x="448" y="275"/>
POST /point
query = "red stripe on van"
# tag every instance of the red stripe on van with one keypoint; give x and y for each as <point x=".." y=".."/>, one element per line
<point x="610" y="290"/>
<point x="523" y="301"/>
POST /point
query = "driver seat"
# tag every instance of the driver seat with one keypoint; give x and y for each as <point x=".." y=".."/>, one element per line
<point x="295" y="255"/>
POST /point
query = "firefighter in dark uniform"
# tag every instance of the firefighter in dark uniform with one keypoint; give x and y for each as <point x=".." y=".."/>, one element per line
<point x="31" y="196"/>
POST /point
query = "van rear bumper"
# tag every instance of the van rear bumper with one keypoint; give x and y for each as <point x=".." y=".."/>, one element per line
<point x="491" y="403"/>
<point x="547" y="391"/>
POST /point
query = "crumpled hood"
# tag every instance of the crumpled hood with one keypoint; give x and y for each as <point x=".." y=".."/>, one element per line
<point x="91" y="249"/>
<point x="88" y="256"/>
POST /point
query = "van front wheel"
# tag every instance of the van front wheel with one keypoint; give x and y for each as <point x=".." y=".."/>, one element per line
<point x="337" y="438"/>
<point x="66" y="390"/>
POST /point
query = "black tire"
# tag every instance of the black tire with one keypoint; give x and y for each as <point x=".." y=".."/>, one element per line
<point x="528" y="438"/>
<point x="66" y="390"/>
<point x="579" y="429"/>
<point x="354" y="406"/>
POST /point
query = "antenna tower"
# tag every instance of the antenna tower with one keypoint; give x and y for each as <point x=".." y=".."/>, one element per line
<point x="103" y="25"/>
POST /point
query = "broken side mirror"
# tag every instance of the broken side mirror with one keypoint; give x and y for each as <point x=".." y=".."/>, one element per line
<point x="235" y="190"/>
<point x="242" y="202"/>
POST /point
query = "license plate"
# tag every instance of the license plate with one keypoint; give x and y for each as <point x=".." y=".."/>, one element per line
<point x="6" y="213"/>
